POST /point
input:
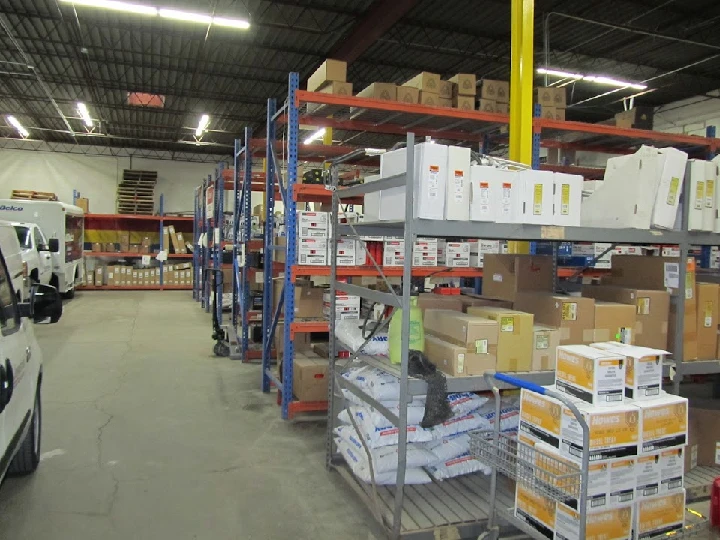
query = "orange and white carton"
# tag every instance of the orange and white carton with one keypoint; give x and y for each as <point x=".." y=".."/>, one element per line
<point x="664" y="423"/>
<point x="535" y="510"/>
<point x="540" y="419"/>
<point x="614" y="432"/>
<point x="660" y="473"/>
<point x="643" y="369"/>
<point x="590" y="374"/>
<point x="657" y="516"/>
<point x="601" y="524"/>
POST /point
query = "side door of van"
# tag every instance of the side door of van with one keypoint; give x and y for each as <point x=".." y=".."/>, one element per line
<point x="44" y="255"/>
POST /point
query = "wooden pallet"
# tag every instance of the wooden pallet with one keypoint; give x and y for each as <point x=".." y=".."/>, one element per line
<point x="33" y="195"/>
<point x="136" y="192"/>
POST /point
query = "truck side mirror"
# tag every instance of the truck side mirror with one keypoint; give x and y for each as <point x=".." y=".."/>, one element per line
<point x="54" y="245"/>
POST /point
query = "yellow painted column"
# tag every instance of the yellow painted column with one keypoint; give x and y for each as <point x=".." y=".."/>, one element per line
<point x="327" y="136"/>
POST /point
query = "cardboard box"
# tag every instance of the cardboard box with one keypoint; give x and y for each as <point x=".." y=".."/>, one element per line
<point x="440" y="301"/>
<point x="602" y="523"/>
<point x="664" y="423"/>
<point x="329" y="70"/>
<point x="386" y="91"/>
<point x="658" y="273"/>
<point x="393" y="252"/>
<point x="465" y="103"/>
<point x="445" y="89"/>
<point x="425" y="82"/>
<point x="83" y="203"/>
<point x="455" y="360"/>
<point x="312" y="251"/>
<point x="429" y="98"/>
<point x="567" y="199"/>
<point x="652" y="309"/>
<point x="707" y="320"/>
<point x="502" y="108"/>
<point x="454" y="254"/>
<point x="661" y="515"/>
<point x="643" y="369"/>
<point x="637" y="117"/>
<point x="310" y="381"/>
<point x="573" y="315"/>
<point x="660" y="473"/>
<point x="337" y="88"/>
<point x="464" y="84"/>
<point x="614" y="322"/>
<point x="506" y="275"/>
<point x="99" y="276"/>
<point x="515" y="337"/>
<point x="551" y="96"/>
<point x="495" y="90"/>
<point x="535" y="510"/>
<point x="474" y="300"/>
<point x="425" y="252"/>
<point x="540" y="419"/>
<point x="494" y="195"/>
<point x="486" y="105"/>
<point x="592" y="375"/>
<point x="308" y="299"/>
<point x="704" y="438"/>
<point x="536" y="195"/>
<point x="313" y="224"/>
<point x="180" y="241"/>
<point x="457" y="196"/>
<point x="408" y="94"/>
<point x="475" y="334"/>
<point x="697" y="173"/>
<point x="97" y="247"/>
<point x="480" y="248"/>
<point x="124" y="241"/>
<point x="546" y="340"/>
<point x="301" y="342"/>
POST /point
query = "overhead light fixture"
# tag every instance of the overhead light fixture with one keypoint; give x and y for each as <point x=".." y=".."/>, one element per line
<point x="84" y="114"/>
<point x="166" y="13"/>
<point x="202" y="126"/>
<point x="315" y="136"/>
<point x="597" y="79"/>
<point x="24" y="133"/>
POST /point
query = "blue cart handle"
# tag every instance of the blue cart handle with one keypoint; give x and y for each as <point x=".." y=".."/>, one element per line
<point x="520" y="383"/>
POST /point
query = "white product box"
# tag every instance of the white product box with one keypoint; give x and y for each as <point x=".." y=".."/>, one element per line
<point x="340" y="314"/>
<point x="540" y="419"/>
<point x="696" y="171"/>
<point x="714" y="257"/>
<point x="457" y="195"/>
<point x="361" y="258"/>
<point x="660" y="473"/>
<point x="393" y="252"/>
<point x="660" y="515"/>
<point x="346" y="251"/>
<point x="603" y="523"/>
<point x="425" y="252"/>
<point x="478" y="250"/>
<point x="430" y="179"/>
<point x="583" y="249"/>
<point x="672" y="172"/>
<point x="313" y="224"/>
<point x="710" y="205"/>
<point x="454" y="254"/>
<point x="605" y="261"/>
<point x="536" y="196"/>
<point x="590" y="186"/>
<point x="643" y="369"/>
<point x="614" y="432"/>
<point x="371" y="201"/>
<point x="629" y="250"/>
<point x="535" y="510"/>
<point x="567" y="199"/>
<point x="592" y="375"/>
<point x="312" y="252"/>
<point x="664" y="423"/>
<point x="714" y="172"/>
<point x="495" y="195"/>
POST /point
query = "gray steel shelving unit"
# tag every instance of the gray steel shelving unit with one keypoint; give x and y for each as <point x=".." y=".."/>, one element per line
<point x="459" y="506"/>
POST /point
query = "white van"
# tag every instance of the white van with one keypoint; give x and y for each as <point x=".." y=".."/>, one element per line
<point x="63" y="225"/>
<point x="35" y="252"/>
<point x="14" y="259"/>
<point x="21" y="365"/>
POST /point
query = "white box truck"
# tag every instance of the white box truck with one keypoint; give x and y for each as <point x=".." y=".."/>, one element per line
<point x="64" y="227"/>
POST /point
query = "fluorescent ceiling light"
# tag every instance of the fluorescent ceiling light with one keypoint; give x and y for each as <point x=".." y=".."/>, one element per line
<point x="202" y="126"/>
<point x="85" y="114"/>
<point x="166" y="13"/>
<point x="597" y="79"/>
<point x="18" y="126"/>
<point x="115" y="5"/>
<point x="315" y="136"/>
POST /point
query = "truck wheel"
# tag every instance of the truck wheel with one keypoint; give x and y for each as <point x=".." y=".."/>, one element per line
<point x="27" y="458"/>
<point x="69" y="295"/>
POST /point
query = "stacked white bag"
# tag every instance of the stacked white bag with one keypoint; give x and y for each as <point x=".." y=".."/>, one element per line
<point x="443" y="450"/>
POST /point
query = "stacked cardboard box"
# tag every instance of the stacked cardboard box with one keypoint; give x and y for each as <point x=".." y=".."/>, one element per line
<point x="313" y="229"/>
<point x="464" y="89"/>
<point x="182" y="274"/>
<point x="428" y="85"/>
<point x="425" y="252"/>
<point x="177" y="240"/>
<point x="347" y="306"/>
<point x="636" y="445"/>
<point x="515" y="336"/>
<point x="494" y="96"/>
<point x="330" y="71"/>
<point x="637" y="117"/>
<point x="506" y="275"/>
<point x="552" y="100"/>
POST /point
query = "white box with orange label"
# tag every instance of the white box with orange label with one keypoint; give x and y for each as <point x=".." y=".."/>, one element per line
<point x="660" y="515"/>
<point x="312" y="251"/>
<point x="600" y="524"/>
<point x="591" y="375"/>
<point x="535" y="510"/>
<point x="660" y="473"/>
<point x="664" y="423"/>
<point x="643" y="369"/>
<point x="457" y="196"/>
<point x="540" y="419"/>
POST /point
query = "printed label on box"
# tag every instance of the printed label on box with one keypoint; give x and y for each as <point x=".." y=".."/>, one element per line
<point x="709" y="193"/>
<point x="707" y="323"/>
<point x="481" y="346"/>
<point x="671" y="277"/>
<point x="537" y="199"/>
<point x="565" y="199"/>
<point x="507" y="324"/>
<point x="542" y="341"/>
<point x="459" y="182"/>
<point x="497" y="277"/>
<point x="433" y="175"/>
<point x="699" y="195"/>
<point x="672" y="192"/>
<point x="569" y="311"/>
<point x="643" y="306"/>
<point x="461" y="363"/>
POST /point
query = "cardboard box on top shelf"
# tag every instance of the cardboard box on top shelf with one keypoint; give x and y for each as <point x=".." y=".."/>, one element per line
<point x="181" y="243"/>
<point x="704" y="443"/>
<point x="456" y="360"/>
<point x="637" y="117"/>
<point x="614" y="322"/>
<point x="487" y="105"/>
<point x="573" y="315"/>
<point x="474" y="300"/>
<point x="465" y="84"/>
<point x="515" y="337"/>
<point x="707" y="320"/>
<point x="425" y="82"/>
<point x="537" y="191"/>
<point x="552" y="113"/>
<point x="505" y="275"/>
<point x="310" y="377"/>
<point x="502" y="108"/>
<point x="546" y="340"/>
<point x="551" y="96"/>
<point x="83" y="203"/>
<point x="457" y="196"/>
<point x="408" y="94"/>
<point x="652" y="309"/>
<point x="444" y="102"/>
<point x="445" y="89"/>
<point x="330" y="70"/>
<point x="466" y="103"/>
<point x="333" y="87"/>
<point x="429" y="98"/>
<point x="378" y="90"/>
<point x="109" y="247"/>
<point x="567" y="200"/>
<point x="592" y="375"/>
<point x="97" y="247"/>
<point x="664" y="423"/>
<point x="440" y="301"/>
<point x="472" y="332"/>
<point x="495" y="90"/>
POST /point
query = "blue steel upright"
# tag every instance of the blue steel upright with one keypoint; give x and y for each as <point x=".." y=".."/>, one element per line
<point x="162" y="238"/>
<point x="207" y="275"/>
<point x="246" y="209"/>
<point x="267" y="314"/>
<point x="196" y="249"/>
<point x="219" y="219"/>
<point x="235" y="238"/>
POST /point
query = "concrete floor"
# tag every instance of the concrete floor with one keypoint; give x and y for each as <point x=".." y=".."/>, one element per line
<point x="146" y="435"/>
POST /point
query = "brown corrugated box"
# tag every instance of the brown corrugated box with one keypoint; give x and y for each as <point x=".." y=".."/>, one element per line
<point x="552" y="113"/>
<point x="573" y="315"/>
<point x="308" y="299"/>
<point x="124" y="240"/>
<point x="707" y="320"/>
<point x="611" y="318"/>
<point x="462" y="329"/>
<point x="495" y="90"/>
<point x="505" y="275"/>
<point x="465" y="84"/>
<point x="181" y="243"/>
<point x="426" y="82"/>
<point x="408" y="94"/>
<point x="99" y="276"/>
<point x="439" y="301"/>
<point x="97" y="247"/>
<point x="475" y="300"/>
<point x="502" y="108"/>
<point x="378" y="90"/>
<point x="647" y="272"/>
<point x="301" y="342"/>
<point x="429" y="98"/>
<point x="551" y="96"/>
<point x="455" y="360"/>
<point x="329" y="70"/>
<point x="337" y="88"/>
<point x="486" y="105"/>
<point x="83" y="203"/>
<point x="651" y="311"/>
<point x="703" y="422"/>
<point x="446" y="89"/>
<point x="444" y="102"/>
<point x="310" y="377"/>
<point x="515" y="336"/>
<point x="546" y="340"/>
<point x="465" y="103"/>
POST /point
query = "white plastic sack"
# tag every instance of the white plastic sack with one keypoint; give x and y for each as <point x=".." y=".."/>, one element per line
<point x="354" y="460"/>
<point x="377" y="419"/>
<point x="385" y="459"/>
<point x="448" y="448"/>
<point x="377" y="436"/>
<point x="461" y="424"/>
<point x="417" y="401"/>
<point x="509" y="414"/>
<point x="350" y="333"/>
<point x="374" y="382"/>
<point x="457" y="466"/>
<point x="465" y="402"/>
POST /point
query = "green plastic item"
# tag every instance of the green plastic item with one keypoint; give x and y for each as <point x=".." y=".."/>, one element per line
<point x="417" y="332"/>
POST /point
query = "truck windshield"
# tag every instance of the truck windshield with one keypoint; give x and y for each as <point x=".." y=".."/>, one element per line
<point x="24" y="236"/>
